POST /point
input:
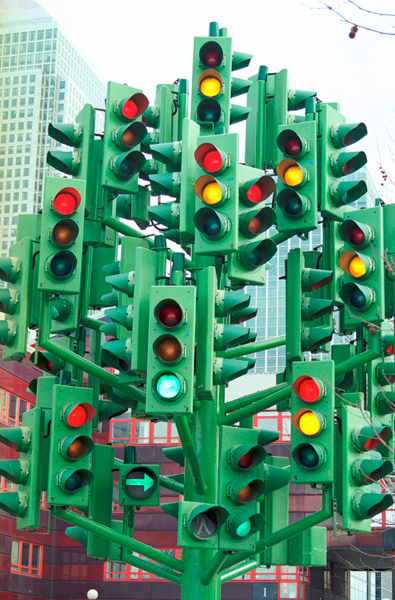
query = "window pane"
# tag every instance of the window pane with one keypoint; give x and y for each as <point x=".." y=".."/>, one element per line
<point x="288" y="590"/>
<point x="160" y="433"/>
<point x="12" y="407"/>
<point x="142" y="432"/>
<point x="36" y="557"/>
<point x="15" y="552"/>
<point x="121" y="430"/>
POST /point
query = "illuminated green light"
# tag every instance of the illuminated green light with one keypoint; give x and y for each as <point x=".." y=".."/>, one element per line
<point x="168" y="386"/>
<point x="244" y="529"/>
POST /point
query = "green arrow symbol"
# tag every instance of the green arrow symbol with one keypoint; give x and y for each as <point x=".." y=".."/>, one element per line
<point x="146" y="482"/>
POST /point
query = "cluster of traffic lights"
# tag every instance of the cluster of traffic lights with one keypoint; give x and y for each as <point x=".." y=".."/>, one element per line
<point x="64" y="233"/>
<point x="168" y="349"/>
<point x="308" y="422"/>
<point x="210" y="82"/>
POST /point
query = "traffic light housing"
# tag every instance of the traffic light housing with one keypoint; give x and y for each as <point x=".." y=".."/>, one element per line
<point x="360" y="466"/>
<point x="171" y="350"/>
<point x="27" y="472"/>
<point x="138" y="485"/>
<point x="212" y="82"/>
<point x="313" y="412"/>
<point x="71" y="445"/>
<point x="362" y="286"/>
<point x="296" y="167"/>
<point x="334" y="134"/>
<point x="301" y="308"/>
<point x="212" y="338"/>
<point x="217" y="190"/>
<point x="123" y="133"/>
<point x="62" y="229"/>
<point x="247" y="266"/>
<point x="199" y="524"/>
<point x="243" y="480"/>
<point x="15" y="299"/>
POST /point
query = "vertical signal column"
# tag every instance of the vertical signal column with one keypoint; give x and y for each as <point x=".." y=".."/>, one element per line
<point x="297" y="172"/>
<point x="313" y="434"/>
<point x="213" y="85"/>
<point x="62" y="228"/>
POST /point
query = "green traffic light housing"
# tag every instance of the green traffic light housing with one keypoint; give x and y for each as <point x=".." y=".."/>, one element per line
<point x="60" y="309"/>
<point x="346" y="163"/>
<point x="130" y="135"/>
<point x="9" y="268"/>
<point x="245" y="457"/>
<point x="72" y="480"/>
<point x="211" y="224"/>
<point x="256" y="254"/>
<point x="345" y="192"/>
<point x="66" y="133"/>
<point x="345" y="134"/>
<point x="292" y="145"/>
<point x="203" y="521"/>
<point x="258" y="190"/>
<point x="66" y="162"/>
<point x="359" y="235"/>
<point x="292" y="204"/>
<point x="241" y="525"/>
<point x="385" y="402"/>
<point x="309" y="457"/>
<point x="371" y="469"/>
<point x="128" y="164"/>
<point x="358" y="297"/>
<point x="255" y="222"/>
<point x="48" y="362"/>
<point x="15" y="503"/>
<point x="371" y="437"/>
<point x="368" y="505"/>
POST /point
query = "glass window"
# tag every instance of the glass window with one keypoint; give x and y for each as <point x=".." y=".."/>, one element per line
<point x="26" y="558"/>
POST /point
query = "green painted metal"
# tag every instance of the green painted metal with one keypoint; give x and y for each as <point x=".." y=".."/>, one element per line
<point x="138" y="485"/>
<point x="100" y="501"/>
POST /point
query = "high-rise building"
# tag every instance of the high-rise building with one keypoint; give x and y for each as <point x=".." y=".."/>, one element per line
<point x="42" y="79"/>
<point x="270" y="298"/>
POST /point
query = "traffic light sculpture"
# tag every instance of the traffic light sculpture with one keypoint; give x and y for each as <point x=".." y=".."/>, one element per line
<point x="71" y="445"/>
<point x="362" y="286"/>
<point x="313" y="433"/>
<point x="334" y="163"/>
<point x="296" y="202"/>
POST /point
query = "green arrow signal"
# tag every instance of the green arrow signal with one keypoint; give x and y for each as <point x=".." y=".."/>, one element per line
<point x="146" y="482"/>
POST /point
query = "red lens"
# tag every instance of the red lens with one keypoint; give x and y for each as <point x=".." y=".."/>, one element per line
<point x="357" y="236"/>
<point x="77" y="417"/>
<point x="170" y="315"/>
<point x="309" y="391"/>
<point x="254" y="194"/>
<point x="212" y="161"/>
<point x="66" y="201"/>
<point x="130" y="109"/>
<point x="49" y="366"/>
<point x="212" y="59"/>
<point x="245" y="461"/>
<point x="293" y="147"/>
<point x="390" y="350"/>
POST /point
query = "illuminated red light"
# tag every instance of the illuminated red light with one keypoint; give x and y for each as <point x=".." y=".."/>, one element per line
<point x="293" y="147"/>
<point x="130" y="109"/>
<point x="309" y="391"/>
<point x="357" y="236"/>
<point x="212" y="161"/>
<point x="170" y="315"/>
<point x="67" y="201"/>
<point x="245" y="461"/>
<point x="77" y="417"/>
<point x="254" y="194"/>
<point x="49" y="366"/>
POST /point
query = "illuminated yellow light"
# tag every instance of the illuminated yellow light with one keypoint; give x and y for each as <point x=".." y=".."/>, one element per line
<point x="357" y="267"/>
<point x="309" y="423"/>
<point x="210" y="87"/>
<point x="293" y="176"/>
<point x="212" y="193"/>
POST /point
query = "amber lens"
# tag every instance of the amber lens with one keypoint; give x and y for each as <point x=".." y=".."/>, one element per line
<point x="76" y="448"/>
<point x="64" y="232"/>
<point x="169" y="349"/>
<point x="245" y="494"/>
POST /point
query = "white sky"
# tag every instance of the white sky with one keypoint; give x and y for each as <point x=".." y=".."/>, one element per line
<point x="146" y="43"/>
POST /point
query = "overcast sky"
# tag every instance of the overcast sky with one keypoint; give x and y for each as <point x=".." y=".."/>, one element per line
<point x="146" y="43"/>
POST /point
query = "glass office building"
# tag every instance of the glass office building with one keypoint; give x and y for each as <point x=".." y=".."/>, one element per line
<point x="42" y="79"/>
<point x="270" y="298"/>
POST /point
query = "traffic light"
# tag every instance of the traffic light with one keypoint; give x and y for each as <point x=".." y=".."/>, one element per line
<point x="213" y="337"/>
<point x="138" y="273"/>
<point x="171" y="350"/>
<point x="254" y="218"/>
<point x="213" y="85"/>
<point x="313" y="434"/>
<point x="217" y="190"/>
<point x="71" y="445"/>
<point x="243" y="480"/>
<point x="123" y="132"/>
<point x="62" y="229"/>
<point x="27" y="472"/>
<point x="334" y="134"/>
<point x="17" y="271"/>
<point x="138" y="485"/>
<point x="361" y="465"/>
<point x="362" y="286"/>
<point x="301" y="308"/>
<point x="199" y="524"/>
<point x="179" y="160"/>
<point x="296" y="167"/>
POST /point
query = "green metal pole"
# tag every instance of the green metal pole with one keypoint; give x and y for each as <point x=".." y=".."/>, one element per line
<point x="215" y="566"/>
<point x="256" y="407"/>
<point x="91" y="323"/>
<point x="255" y="347"/>
<point x="356" y="361"/>
<point x="190" y="454"/>
<point x="94" y="370"/>
<point x="149" y="566"/>
<point x="246" y="400"/>
<point x="170" y="484"/>
<point x="236" y="571"/>
<point x="118" y="538"/>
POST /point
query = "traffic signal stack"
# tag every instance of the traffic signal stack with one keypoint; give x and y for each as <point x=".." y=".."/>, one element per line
<point x="174" y="330"/>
